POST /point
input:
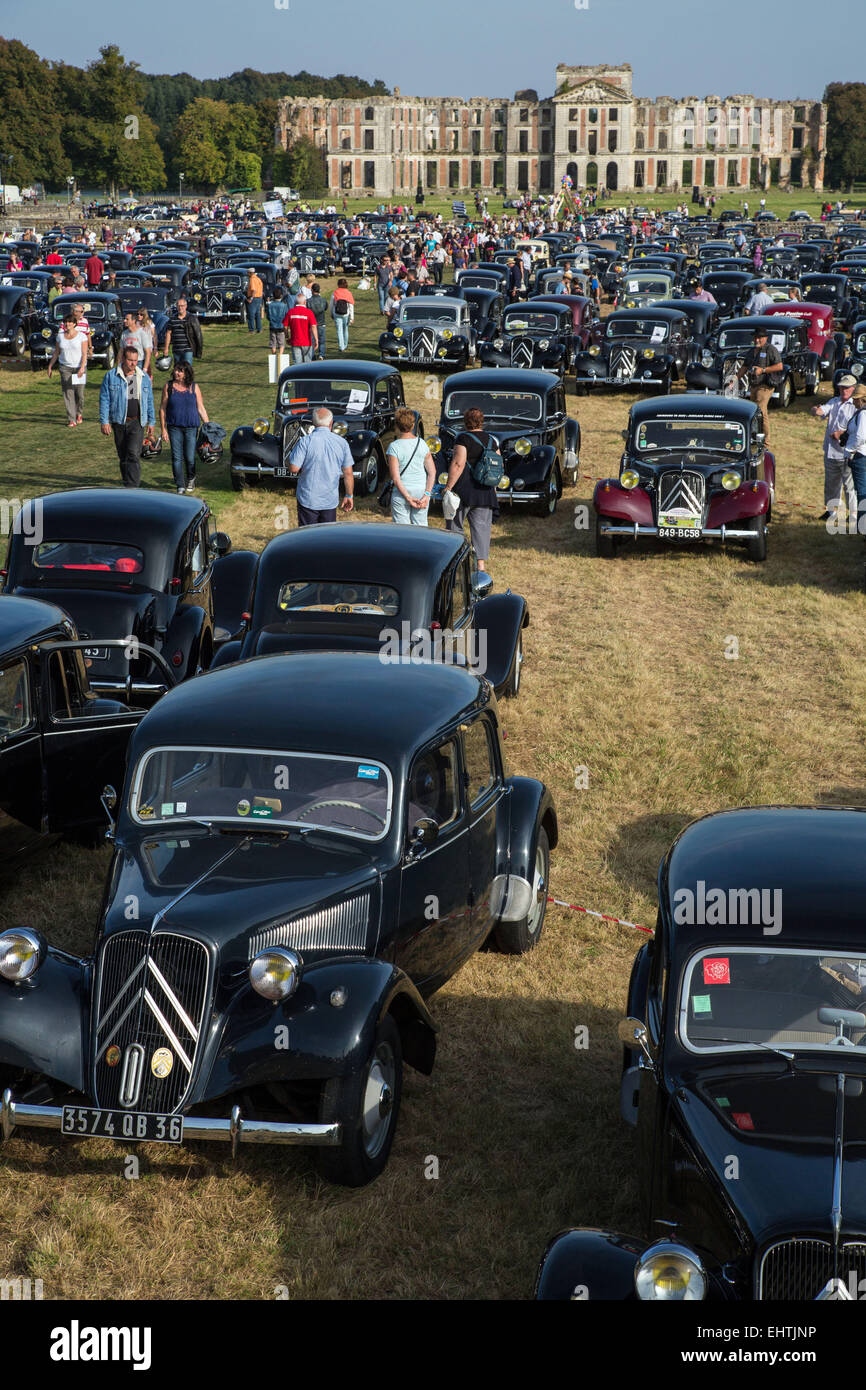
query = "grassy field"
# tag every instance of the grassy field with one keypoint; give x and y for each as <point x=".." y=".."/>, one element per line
<point x="625" y="675"/>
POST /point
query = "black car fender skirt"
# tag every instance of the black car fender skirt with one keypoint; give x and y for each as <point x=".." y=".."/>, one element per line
<point x="498" y="622"/>
<point x="572" y="435"/>
<point x="588" y="1265"/>
<point x="312" y="1035"/>
<point x="44" y="1026"/>
<point x="261" y="448"/>
<point x="184" y="636"/>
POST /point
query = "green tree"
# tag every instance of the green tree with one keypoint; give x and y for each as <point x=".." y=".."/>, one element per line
<point x="30" y="122"/>
<point x="108" y="136"/>
<point x="305" y="166"/>
<point x="846" y="134"/>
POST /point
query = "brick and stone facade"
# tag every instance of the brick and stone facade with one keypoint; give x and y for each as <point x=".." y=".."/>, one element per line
<point x="593" y="128"/>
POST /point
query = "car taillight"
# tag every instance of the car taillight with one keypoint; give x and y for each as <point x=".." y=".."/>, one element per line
<point x="174" y="586"/>
<point x="177" y="658"/>
<point x="246" y="617"/>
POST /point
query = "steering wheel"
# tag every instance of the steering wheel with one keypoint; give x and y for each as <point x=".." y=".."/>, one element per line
<point x="354" y="805"/>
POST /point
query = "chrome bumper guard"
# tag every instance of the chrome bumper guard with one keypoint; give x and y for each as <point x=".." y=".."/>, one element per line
<point x="719" y="533"/>
<point x="509" y="495"/>
<point x="128" y="688"/>
<point x="232" y="1131"/>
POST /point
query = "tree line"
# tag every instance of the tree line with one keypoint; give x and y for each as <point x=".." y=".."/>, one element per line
<point x="111" y="126"/>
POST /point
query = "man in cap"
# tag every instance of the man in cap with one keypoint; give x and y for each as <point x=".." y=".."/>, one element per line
<point x="765" y="369"/>
<point x="855" y="451"/>
<point x="837" y="473"/>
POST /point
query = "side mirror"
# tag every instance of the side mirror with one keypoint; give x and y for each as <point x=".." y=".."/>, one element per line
<point x="219" y="544"/>
<point x="424" y="835"/>
<point x="760" y="438"/>
<point x="109" y="802"/>
<point x="624" y="434"/>
<point x="482" y="584"/>
<point x="633" y="1033"/>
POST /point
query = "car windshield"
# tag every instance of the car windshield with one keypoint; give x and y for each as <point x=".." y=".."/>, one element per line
<point x="220" y="280"/>
<point x="690" y="433"/>
<point x="101" y="557"/>
<point x="747" y="996"/>
<point x="745" y="338"/>
<point x="860" y="343"/>
<point x="650" y="329"/>
<point x="428" y="313"/>
<point x="648" y="284"/>
<point x="516" y="323"/>
<point x="93" y="309"/>
<point x="514" y="406"/>
<point x="348" y="397"/>
<point x="338" y="596"/>
<point x="822" y="290"/>
<point x="258" y="788"/>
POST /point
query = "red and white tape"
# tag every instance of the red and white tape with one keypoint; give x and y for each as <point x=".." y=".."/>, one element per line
<point x="603" y="916"/>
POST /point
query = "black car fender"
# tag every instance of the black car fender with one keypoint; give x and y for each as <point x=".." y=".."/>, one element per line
<point x="227" y="653"/>
<point x="572" y="435"/>
<point x="189" y="632"/>
<point x="361" y="442"/>
<point x="500" y="618"/>
<point x="532" y="809"/>
<point x="703" y="378"/>
<point x="589" y="1265"/>
<point x="44" y="1026"/>
<point x="232" y="581"/>
<point x="312" y="1037"/>
<point x="264" y="448"/>
<point x="539" y="462"/>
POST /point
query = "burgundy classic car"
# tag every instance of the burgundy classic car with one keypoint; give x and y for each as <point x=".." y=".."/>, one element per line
<point x="585" y="317"/>
<point x="823" y="337"/>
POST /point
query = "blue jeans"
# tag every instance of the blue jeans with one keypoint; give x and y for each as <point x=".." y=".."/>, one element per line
<point x="342" y="323"/>
<point x="254" y="315"/>
<point x="183" y="357"/>
<point x="857" y="464"/>
<point x="182" y="439"/>
<point x="321" y="348"/>
<point x="383" y="295"/>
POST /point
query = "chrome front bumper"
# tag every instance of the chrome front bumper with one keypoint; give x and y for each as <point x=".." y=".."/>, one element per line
<point x="720" y="533"/>
<point x="232" y="1131"/>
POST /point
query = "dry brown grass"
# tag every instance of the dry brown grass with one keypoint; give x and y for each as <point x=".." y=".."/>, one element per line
<point x="625" y="673"/>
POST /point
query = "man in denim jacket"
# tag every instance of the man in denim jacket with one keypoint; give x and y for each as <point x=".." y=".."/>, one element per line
<point x="126" y="410"/>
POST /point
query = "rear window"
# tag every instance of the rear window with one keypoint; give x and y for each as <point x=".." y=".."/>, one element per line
<point x="100" y="557"/>
<point x="338" y="596"/>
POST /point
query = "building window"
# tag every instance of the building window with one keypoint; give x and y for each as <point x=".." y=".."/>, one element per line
<point x="639" y="140"/>
<point x="756" y="131"/>
<point x="368" y="139"/>
<point x="476" y="117"/>
<point x="712" y="136"/>
<point x="345" y="142"/>
<point x="638" y="173"/>
<point x="545" y="142"/>
<point x="545" y="176"/>
<point x="475" y="141"/>
<point x="687" y="172"/>
<point x="523" y="176"/>
<point x="346" y="174"/>
<point x="799" y="114"/>
<point x="593" y="115"/>
<point x="592" y="176"/>
<point x="640" y="118"/>
<point x="592" y="142"/>
<point x="613" y="114"/>
<point x="317" y="116"/>
<point x="454" y="173"/>
<point x="572" y="142"/>
<point x="611" y="140"/>
<point x="369" y="113"/>
<point x="663" y="139"/>
<point x="733" y="113"/>
<point x="432" y="173"/>
<point x="709" y="173"/>
<point x="524" y="113"/>
<point x="663" y="114"/>
<point x="733" y="173"/>
<point x="796" y="171"/>
<point x="733" y="135"/>
<point x="573" y="113"/>
<point x="369" y="173"/>
<point x="571" y="171"/>
<point x="688" y="113"/>
<point x="523" y="142"/>
<point x="498" y="173"/>
<point x="499" y="116"/>
<point x="797" y="139"/>
<point x="499" y="141"/>
<point x="475" y="173"/>
<point x="455" y="139"/>
<point x="545" y="116"/>
<point x="712" y="114"/>
<point x="661" y="173"/>
<point x="688" y="137"/>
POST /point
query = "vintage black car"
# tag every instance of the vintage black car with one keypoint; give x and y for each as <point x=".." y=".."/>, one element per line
<point x="104" y="316"/>
<point x="176" y="277"/>
<point x="586" y="324"/>
<point x="39" y="281"/>
<point x="155" y="299"/>
<point x="835" y="290"/>
<point x="483" y="280"/>
<point x="703" y="317"/>
<point x="744" y="1073"/>
<point x="313" y="257"/>
<point x="302" y="886"/>
<point x="428" y="331"/>
<point x="368" y="588"/>
<point x="360" y="254"/>
<point x="362" y="397"/>
<point x="640" y="347"/>
<point x="548" y="280"/>
<point x="59" y="741"/>
<point x="535" y="334"/>
<point x="694" y="468"/>
<point x="219" y="296"/>
<point x="641" y="288"/>
<point x="722" y="366"/>
<point x="729" y="290"/>
<point x="266" y="271"/>
<point x="854" y="358"/>
<point x="20" y="318"/>
<point x="526" y="412"/>
<point x="146" y="567"/>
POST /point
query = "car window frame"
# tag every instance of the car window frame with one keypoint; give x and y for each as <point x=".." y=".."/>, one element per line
<point x="27" y="727"/>
<point x="481" y="802"/>
<point x="447" y="830"/>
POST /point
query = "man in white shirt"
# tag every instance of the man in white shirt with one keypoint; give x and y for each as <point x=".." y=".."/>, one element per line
<point x="760" y="300"/>
<point x="855" y="452"/>
<point x="837" y="472"/>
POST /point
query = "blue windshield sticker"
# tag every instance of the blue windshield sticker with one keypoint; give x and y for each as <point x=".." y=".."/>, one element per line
<point x="365" y="770"/>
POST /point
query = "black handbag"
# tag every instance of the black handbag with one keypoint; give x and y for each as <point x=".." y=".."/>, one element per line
<point x="384" y="498"/>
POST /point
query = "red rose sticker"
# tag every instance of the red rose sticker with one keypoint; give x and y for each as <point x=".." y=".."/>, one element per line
<point x="742" y="1119"/>
<point x="717" y="970"/>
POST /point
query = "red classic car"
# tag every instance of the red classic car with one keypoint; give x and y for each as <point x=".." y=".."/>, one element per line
<point x="585" y="317"/>
<point x="823" y="336"/>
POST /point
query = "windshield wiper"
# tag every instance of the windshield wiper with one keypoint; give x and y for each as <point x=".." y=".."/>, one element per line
<point x="739" y="1042"/>
<point x="254" y="828"/>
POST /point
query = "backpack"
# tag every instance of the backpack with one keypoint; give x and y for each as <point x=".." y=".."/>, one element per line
<point x="487" y="470"/>
<point x="341" y="307"/>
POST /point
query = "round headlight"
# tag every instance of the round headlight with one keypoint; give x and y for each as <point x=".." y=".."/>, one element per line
<point x="522" y="447"/>
<point x="519" y="484"/>
<point x="504" y="481"/>
<point x="447" y="333"/>
<point x="398" y="333"/>
<point x="856" y="368"/>
<point x="442" y="479"/>
<point x="442" y="352"/>
<point x="261" y="425"/>
<point x="339" y="427"/>
<point x="629" y="303"/>
<point x="707" y="359"/>
<point x="594" y="350"/>
<point x="499" y="343"/>
<point x="434" y="444"/>
<point x="46" y="332"/>
<point x="648" y="352"/>
<point x="629" y="478"/>
<point x="731" y="480"/>
<point x="196" y="295"/>
<point x="275" y="973"/>
<point x="21" y="954"/>
<point x="230" y="294"/>
<point x="670" y="1272"/>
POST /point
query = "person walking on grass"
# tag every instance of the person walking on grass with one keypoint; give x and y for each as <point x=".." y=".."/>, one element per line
<point x="318" y="305"/>
<point x="837" y="472"/>
<point x="320" y="459"/>
<point x="254" y="293"/>
<point x="70" y="354"/>
<point x="342" y="312"/>
<point x="412" y="470"/>
<point x="478" y="505"/>
<point x="181" y="412"/>
<point x="278" y="310"/>
<point x="126" y="411"/>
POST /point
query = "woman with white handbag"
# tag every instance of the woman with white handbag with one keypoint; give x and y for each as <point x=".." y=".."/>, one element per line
<point x="70" y="352"/>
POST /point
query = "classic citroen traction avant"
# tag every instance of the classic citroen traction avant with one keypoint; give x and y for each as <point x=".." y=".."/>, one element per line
<point x="306" y="847"/>
<point x="744" y="1072"/>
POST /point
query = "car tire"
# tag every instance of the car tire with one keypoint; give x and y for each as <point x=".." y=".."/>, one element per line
<point x="552" y="494"/>
<point x="512" y="685"/>
<point x="239" y="482"/>
<point x="371" y="474"/>
<point x="20" y="344"/>
<point x="786" y="393"/>
<point x="604" y="546"/>
<point x="516" y="938"/>
<point x="351" y="1101"/>
<point x="757" y="549"/>
<point x="664" y="384"/>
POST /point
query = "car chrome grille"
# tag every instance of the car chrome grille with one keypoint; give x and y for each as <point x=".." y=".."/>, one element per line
<point x="423" y="342"/>
<point x="214" y="302"/>
<point x="796" y="1270"/>
<point x="685" y="490"/>
<point x="340" y="927"/>
<point x="622" y="363"/>
<point x="152" y="990"/>
<point x="521" y="352"/>
<point x="733" y="372"/>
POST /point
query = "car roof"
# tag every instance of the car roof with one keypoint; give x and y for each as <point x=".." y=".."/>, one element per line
<point x="500" y="379"/>
<point x="755" y="321"/>
<point x="700" y="404"/>
<point x="80" y="296"/>
<point x="425" y="300"/>
<point x="102" y="513"/>
<point x="351" y="368"/>
<point x="791" y="848"/>
<point x="650" y="311"/>
<point x="350" y="704"/>
<point x="27" y="620"/>
<point x="551" y="302"/>
<point x="377" y="553"/>
<point x="800" y="308"/>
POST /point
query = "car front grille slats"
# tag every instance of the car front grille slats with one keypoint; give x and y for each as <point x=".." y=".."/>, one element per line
<point x="521" y="352"/>
<point x="152" y="990"/>
<point x="686" y="490"/>
<point x="423" y="342"/>
<point x="342" y="926"/>
<point x="623" y="361"/>
<point x="798" y="1269"/>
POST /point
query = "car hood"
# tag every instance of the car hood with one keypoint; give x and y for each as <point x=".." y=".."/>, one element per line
<point x="221" y="888"/>
<point x="780" y="1127"/>
<point x="98" y="613"/>
<point x="702" y="462"/>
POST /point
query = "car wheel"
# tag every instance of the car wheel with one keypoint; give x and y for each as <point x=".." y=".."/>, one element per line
<point x="551" y="497"/>
<point x="826" y="372"/>
<point x="786" y="394"/>
<point x="757" y="548"/>
<point x="580" y="388"/>
<point x="366" y="1104"/>
<point x="605" y="546"/>
<point x="20" y="344"/>
<point x="371" y="475"/>
<point x="516" y="938"/>
<point x="512" y="685"/>
<point x="110" y="357"/>
<point x="665" y="384"/>
<point x="239" y="482"/>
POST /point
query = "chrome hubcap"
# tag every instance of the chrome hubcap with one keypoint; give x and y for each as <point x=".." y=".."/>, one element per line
<point x="378" y="1100"/>
<point x="539" y="893"/>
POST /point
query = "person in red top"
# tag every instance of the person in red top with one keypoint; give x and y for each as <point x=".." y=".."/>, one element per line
<point x="53" y="258"/>
<point x="93" y="268"/>
<point x="303" y="333"/>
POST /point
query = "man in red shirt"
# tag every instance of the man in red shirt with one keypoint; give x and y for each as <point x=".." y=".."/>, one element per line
<point x="53" y="258"/>
<point x="303" y="333"/>
<point x="93" y="268"/>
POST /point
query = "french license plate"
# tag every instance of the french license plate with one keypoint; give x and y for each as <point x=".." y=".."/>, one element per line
<point x="95" y="653"/>
<point x="85" y="1123"/>
<point x="680" y="533"/>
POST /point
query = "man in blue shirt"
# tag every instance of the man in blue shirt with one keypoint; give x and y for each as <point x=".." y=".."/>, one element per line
<point x="320" y="459"/>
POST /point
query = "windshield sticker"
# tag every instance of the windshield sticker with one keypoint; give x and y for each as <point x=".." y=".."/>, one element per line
<point x="181" y="808"/>
<point x="263" y="812"/>
<point x="167" y="808"/>
<point x="145" y="812"/>
<point x="366" y="771"/>
<point x="742" y="1119"/>
<point x="243" y="808"/>
<point x="717" y="971"/>
<point x="702" y="1004"/>
<point x="658" y="334"/>
<point x="723" y="1102"/>
<point x="356" y="401"/>
<point x="632" y="286"/>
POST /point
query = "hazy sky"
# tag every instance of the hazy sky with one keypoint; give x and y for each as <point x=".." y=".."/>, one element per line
<point x="451" y="48"/>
